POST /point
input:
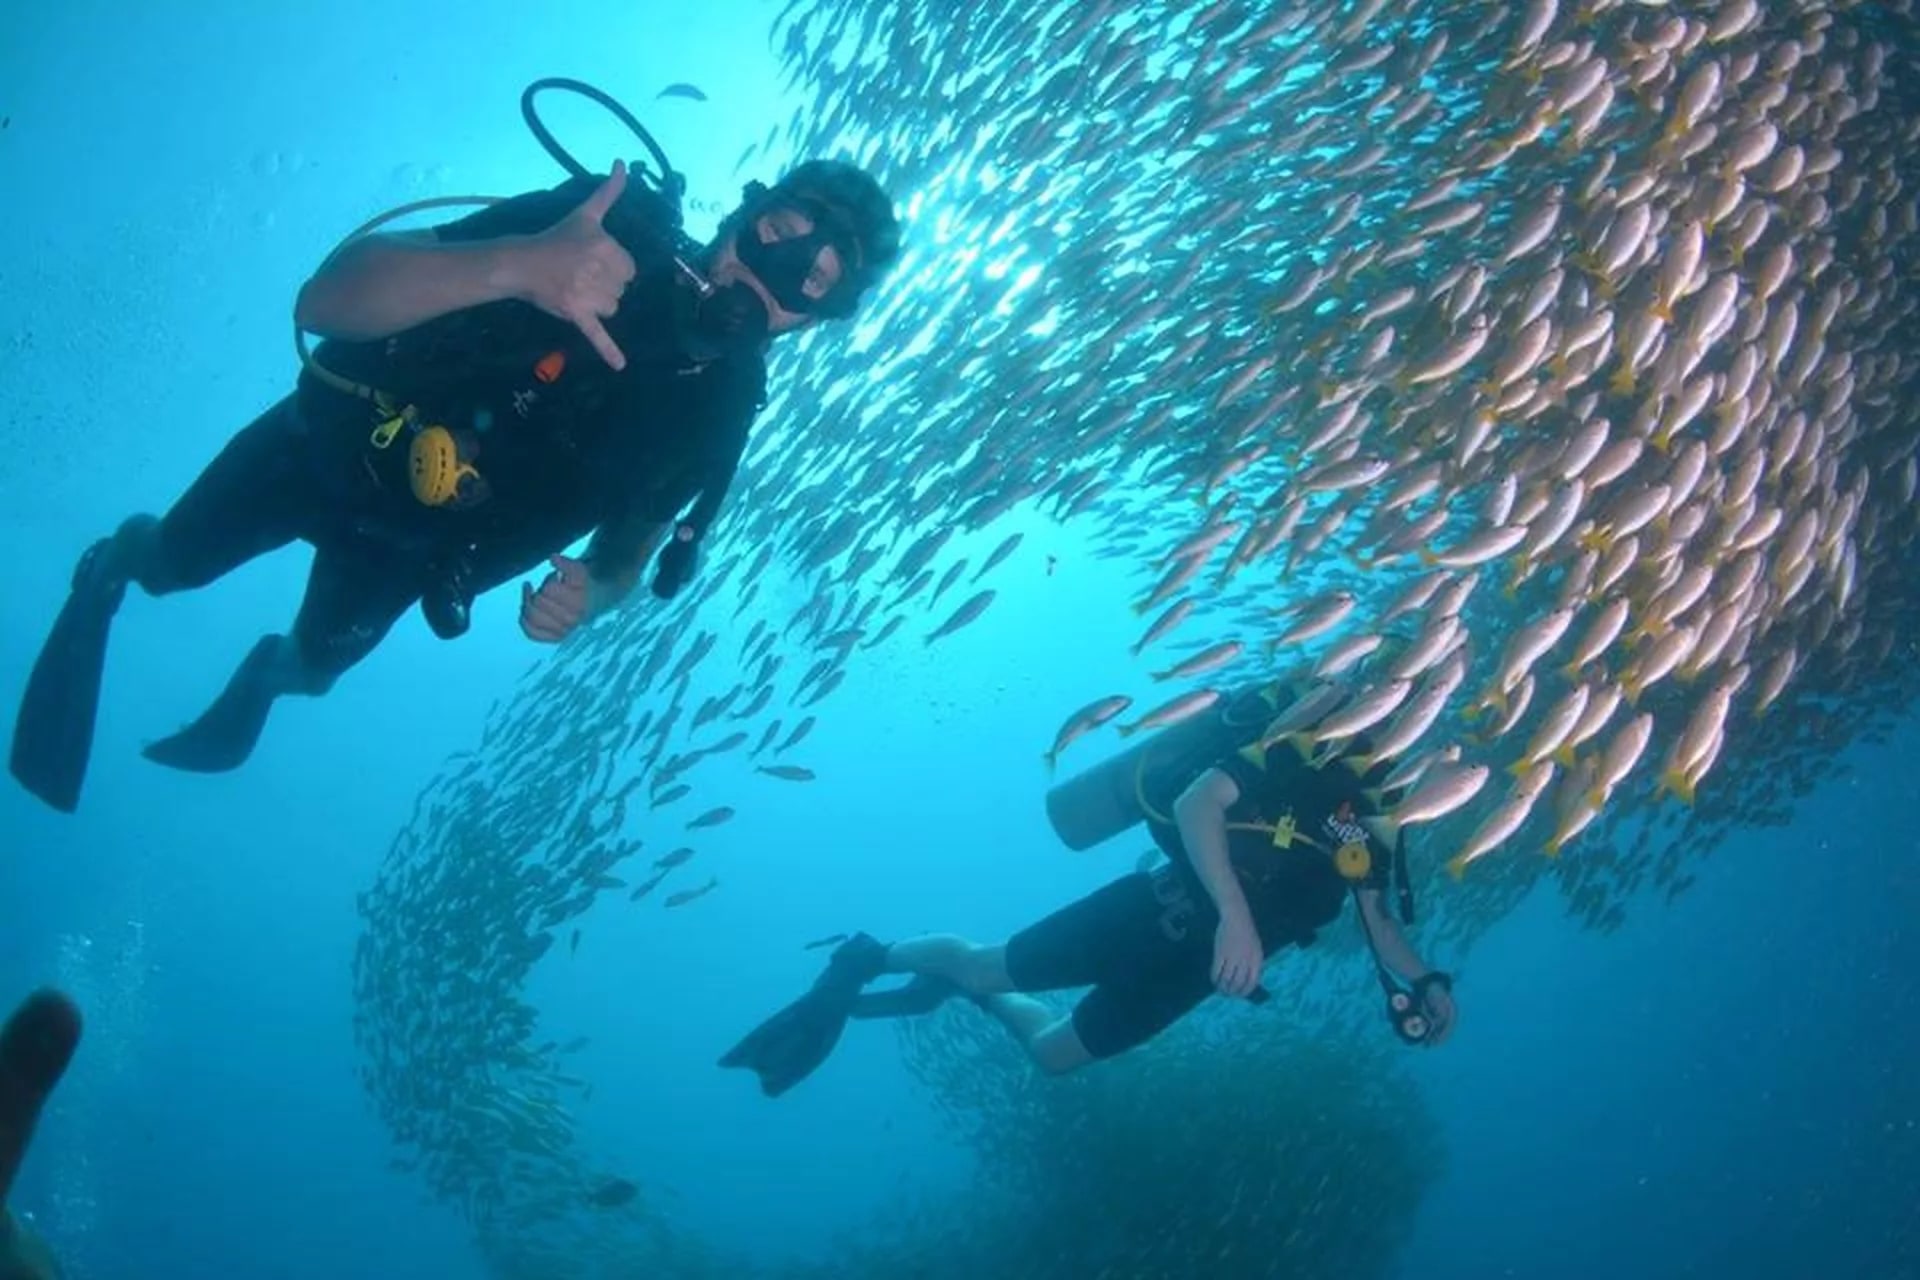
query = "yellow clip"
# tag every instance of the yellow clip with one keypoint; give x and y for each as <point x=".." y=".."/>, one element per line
<point x="384" y="433"/>
<point x="1283" y="832"/>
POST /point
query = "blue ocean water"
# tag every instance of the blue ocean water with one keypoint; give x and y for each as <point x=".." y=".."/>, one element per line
<point x="1720" y="1088"/>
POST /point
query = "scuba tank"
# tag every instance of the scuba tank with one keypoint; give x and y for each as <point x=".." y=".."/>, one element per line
<point x="1115" y="796"/>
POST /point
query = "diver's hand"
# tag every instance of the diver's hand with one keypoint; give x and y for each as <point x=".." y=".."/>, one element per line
<point x="1441" y="1014"/>
<point x="550" y="614"/>
<point x="576" y="272"/>
<point x="1237" y="955"/>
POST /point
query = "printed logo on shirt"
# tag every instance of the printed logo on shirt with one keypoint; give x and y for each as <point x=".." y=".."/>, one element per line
<point x="1343" y="826"/>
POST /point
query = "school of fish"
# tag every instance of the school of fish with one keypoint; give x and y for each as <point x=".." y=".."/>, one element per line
<point x="1530" y="382"/>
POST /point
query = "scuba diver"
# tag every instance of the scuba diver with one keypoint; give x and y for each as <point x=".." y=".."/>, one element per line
<point x="1264" y="843"/>
<point x="559" y="364"/>
<point x="36" y="1044"/>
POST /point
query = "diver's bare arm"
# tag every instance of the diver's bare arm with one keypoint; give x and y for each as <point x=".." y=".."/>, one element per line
<point x="1395" y="951"/>
<point x="1201" y="817"/>
<point x="383" y="284"/>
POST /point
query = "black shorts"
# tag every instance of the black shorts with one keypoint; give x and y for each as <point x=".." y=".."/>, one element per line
<point x="1143" y="943"/>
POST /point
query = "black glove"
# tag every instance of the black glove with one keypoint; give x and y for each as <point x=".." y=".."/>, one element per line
<point x="447" y="600"/>
<point x="676" y="563"/>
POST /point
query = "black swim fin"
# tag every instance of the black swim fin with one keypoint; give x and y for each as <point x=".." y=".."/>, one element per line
<point x="791" y="1045"/>
<point x="225" y="734"/>
<point x="53" y="733"/>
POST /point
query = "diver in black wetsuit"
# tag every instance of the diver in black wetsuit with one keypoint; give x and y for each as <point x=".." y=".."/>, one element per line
<point x="1263" y="844"/>
<point x="559" y="364"/>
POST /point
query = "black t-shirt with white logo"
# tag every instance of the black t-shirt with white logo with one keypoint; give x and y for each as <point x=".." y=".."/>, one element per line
<point x="1284" y="834"/>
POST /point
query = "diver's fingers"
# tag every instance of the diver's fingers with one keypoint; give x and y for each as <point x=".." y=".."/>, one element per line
<point x="573" y="573"/>
<point x="551" y="614"/>
<point x="36" y="1045"/>
<point x="603" y="198"/>
<point x="538" y="628"/>
<point x="532" y="622"/>
<point x="602" y="340"/>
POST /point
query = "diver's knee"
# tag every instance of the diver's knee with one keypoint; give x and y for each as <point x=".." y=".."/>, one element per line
<point x="139" y="555"/>
<point x="1058" y="1050"/>
<point x="308" y="669"/>
<point x="982" y="970"/>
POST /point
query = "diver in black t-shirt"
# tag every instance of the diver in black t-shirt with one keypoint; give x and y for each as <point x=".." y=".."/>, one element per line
<point x="1264" y="845"/>
<point x="560" y="364"/>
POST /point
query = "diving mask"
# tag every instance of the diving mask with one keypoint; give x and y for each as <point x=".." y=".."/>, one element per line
<point x="785" y="265"/>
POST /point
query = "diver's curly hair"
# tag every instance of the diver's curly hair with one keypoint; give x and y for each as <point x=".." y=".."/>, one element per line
<point x="852" y="195"/>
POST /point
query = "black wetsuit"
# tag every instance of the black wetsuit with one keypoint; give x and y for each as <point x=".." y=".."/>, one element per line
<point x="590" y="450"/>
<point x="1144" y="943"/>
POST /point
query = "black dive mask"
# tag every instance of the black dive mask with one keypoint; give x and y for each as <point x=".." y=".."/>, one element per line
<point x="784" y="265"/>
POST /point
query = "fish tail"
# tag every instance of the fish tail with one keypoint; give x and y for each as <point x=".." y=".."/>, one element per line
<point x="1622" y="383"/>
<point x="1457" y="866"/>
<point x="1519" y="767"/>
<point x="1664" y="310"/>
<point x="1428" y="558"/>
<point x="1553" y="846"/>
<point x="1564" y="757"/>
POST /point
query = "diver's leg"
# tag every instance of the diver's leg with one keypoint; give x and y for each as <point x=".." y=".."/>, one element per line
<point x="354" y="596"/>
<point x="977" y="970"/>
<point x="241" y="505"/>
<point x="945" y="965"/>
<point x="1146" y="970"/>
<point x="252" y="498"/>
